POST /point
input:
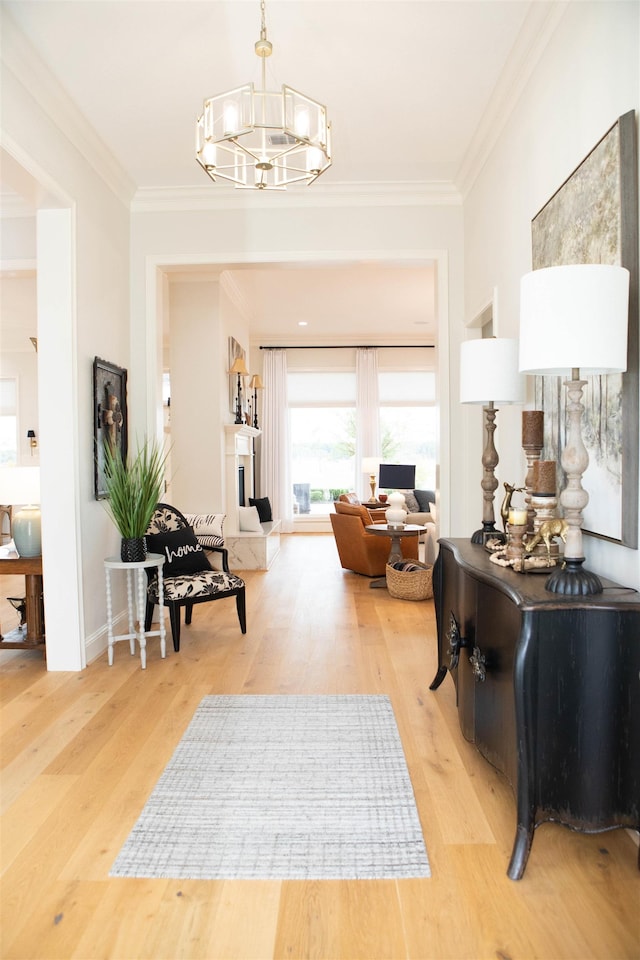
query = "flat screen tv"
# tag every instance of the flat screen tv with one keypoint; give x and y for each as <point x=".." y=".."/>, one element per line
<point x="396" y="476"/>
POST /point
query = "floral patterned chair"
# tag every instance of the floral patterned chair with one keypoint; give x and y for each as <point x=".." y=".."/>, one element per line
<point x="187" y="574"/>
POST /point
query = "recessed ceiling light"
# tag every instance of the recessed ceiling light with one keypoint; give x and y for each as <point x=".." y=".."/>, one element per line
<point x="302" y="323"/>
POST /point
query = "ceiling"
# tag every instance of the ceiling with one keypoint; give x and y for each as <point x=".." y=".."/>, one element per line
<point x="411" y="88"/>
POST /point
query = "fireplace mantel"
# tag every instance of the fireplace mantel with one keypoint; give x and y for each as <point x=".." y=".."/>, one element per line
<point x="239" y="452"/>
<point x="241" y="430"/>
<point x="247" y="551"/>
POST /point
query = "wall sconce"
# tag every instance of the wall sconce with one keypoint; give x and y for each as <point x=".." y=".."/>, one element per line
<point x="239" y="368"/>
<point x="33" y="443"/>
<point x="255" y="385"/>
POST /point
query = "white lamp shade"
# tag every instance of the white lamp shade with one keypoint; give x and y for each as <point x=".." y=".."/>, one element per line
<point x="574" y="316"/>
<point x="19" y="485"/>
<point x="489" y="371"/>
<point x="370" y="464"/>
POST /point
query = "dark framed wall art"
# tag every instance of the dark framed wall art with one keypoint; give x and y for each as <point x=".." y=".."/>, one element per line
<point x="593" y="218"/>
<point x="109" y="416"/>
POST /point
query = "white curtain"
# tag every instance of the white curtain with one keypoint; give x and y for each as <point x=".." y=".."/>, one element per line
<point x="367" y="415"/>
<point x="275" y="471"/>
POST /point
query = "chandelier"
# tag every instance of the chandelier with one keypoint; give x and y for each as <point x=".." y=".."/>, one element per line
<point x="262" y="139"/>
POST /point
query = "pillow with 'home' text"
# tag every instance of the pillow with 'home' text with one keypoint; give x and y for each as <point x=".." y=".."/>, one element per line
<point x="206" y="524"/>
<point x="181" y="551"/>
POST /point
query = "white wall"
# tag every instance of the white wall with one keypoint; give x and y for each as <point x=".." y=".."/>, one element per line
<point x="587" y="77"/>
<point x="82" y="312"/>
<point x="197" y="369"/>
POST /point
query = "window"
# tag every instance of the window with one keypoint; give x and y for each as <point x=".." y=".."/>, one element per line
<point x="322" y="423"/>
<point x="322" y="432"/>
<point x="409" y="422"/>
<point x="8" y="423"/>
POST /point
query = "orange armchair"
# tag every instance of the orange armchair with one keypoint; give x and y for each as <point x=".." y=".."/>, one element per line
<point x="359" y="550"/>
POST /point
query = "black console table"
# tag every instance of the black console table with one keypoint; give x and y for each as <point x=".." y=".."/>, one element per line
<point x="548" y="689"/>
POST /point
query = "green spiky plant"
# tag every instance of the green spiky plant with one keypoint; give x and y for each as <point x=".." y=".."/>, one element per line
<point x="134" y="488"/>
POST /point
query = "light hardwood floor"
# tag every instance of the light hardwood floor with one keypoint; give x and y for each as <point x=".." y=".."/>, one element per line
<point x="82" y="751"/>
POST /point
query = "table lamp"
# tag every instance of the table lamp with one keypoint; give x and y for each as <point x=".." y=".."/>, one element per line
<point x="255" y="385"/>
<point x="370" y="466"/>
<point x="240" y="368"/>
<point x="21" y="486"/>
<point x="489" y="375"/>
<point x="574" y="319"/>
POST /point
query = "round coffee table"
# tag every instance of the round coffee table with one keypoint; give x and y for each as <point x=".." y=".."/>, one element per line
<point x="396" y="534"/>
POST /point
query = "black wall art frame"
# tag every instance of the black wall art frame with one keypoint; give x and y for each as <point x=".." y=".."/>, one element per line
<point x="109" y="417"/>
<point x="593" y="218"/>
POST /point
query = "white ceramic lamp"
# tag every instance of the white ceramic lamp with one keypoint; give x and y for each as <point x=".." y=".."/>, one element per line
<point x="21" y="486"/>
<point x="489" y="375"/>
<point x="396" y="515"/>
<point x="574" y="319"/>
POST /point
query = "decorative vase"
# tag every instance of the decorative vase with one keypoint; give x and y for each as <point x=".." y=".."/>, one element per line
<point x="396" y="515"/>
<point x="133" y="549"/>
<point x="26" y="531"/>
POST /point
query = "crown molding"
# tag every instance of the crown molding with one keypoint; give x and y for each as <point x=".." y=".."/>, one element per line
<point x="232" y="290"/>
<point x="222" y="197"/>
<point x="539" y="26"/>
<point x="21" y="59"/>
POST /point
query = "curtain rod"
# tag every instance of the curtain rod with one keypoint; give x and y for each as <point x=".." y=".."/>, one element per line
<point x="356" y="346"/>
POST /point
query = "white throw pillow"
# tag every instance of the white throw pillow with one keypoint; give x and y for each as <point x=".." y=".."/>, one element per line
<point x="433" y="510"/>
<point x="249" y="520"/>
<point x="206" y="524"/>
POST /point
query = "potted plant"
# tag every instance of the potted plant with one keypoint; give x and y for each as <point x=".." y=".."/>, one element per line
<point x="133" y="490"/>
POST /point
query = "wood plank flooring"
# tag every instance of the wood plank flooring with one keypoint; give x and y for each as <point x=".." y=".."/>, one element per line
<point x="82" y="751"/>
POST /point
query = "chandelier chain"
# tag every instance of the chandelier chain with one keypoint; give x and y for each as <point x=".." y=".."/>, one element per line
<point x="263" y="26"/>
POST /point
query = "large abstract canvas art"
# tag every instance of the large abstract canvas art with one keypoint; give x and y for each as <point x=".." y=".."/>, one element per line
<point x="593" y="218"/>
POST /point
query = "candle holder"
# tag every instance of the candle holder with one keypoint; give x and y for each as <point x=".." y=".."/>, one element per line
<point x="533" y="455"/>
<point x="532" y="444"/>
<point x="544" y="506"/>
<point x="515" y="549"/>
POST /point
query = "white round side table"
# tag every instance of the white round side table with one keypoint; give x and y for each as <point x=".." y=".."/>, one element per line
<point x="139" y="567"/>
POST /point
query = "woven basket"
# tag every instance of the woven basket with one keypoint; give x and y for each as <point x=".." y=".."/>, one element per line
<point x="411" y="584"/>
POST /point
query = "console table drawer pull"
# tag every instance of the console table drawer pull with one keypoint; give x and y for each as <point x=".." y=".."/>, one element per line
<point x="478" y="663"/>
<point x="455" y="642"/>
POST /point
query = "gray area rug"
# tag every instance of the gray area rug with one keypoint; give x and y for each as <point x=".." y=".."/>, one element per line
<point x="282" y="787"/>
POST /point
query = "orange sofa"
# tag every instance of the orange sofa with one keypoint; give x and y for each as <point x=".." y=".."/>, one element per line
<point x="361" y="551"/>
